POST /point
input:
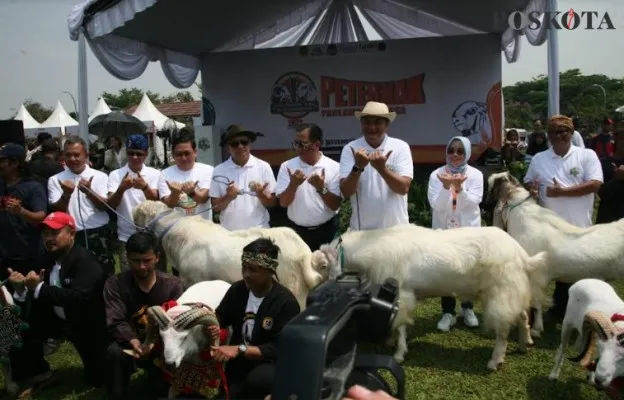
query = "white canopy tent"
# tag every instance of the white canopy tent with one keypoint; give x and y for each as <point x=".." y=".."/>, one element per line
<point x="100" y="108"/>
<point x="31" y="126"/>
<point x="60" y="123"/>
<point x="146" y="111"/>
<point x="125" y="44"/>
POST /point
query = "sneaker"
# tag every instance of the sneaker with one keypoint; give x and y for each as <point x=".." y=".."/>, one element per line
<point x="50" y="346"/>
<point x="447" y="321"/>
<point x="470" y="319"/>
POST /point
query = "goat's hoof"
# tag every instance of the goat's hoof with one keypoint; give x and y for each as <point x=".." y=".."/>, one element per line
<point x="535" y="333"/>
<point x="12" y="388"/>
<point x="399" y="358"/>
<point x="553" y="376"/>
<point x="493" y="365"/>
<point x="523" y="350"/>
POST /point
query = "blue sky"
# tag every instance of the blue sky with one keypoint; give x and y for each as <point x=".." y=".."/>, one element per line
<point x="40" y="62"/>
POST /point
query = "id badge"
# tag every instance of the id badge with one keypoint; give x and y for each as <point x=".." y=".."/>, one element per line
<point x="452" y="222"/>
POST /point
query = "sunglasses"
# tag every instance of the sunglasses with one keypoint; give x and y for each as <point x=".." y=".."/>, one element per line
<point x="237" y="143"/>
<point x="136" y="154"/>
<point x="558" y="132"/>
<point x="298" y="144"/>
<point x="459" y="152"/>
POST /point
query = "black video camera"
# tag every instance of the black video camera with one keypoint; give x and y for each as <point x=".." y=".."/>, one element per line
<point x="317" y="349"/>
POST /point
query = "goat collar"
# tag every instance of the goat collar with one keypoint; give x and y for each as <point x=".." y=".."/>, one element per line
<point x="617" y="317"/>
<point x="510" y="207"/>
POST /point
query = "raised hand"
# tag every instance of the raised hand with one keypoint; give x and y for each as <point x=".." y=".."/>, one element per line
<point x="33" y="279"/>
<point x="189" y="187"/>
<point x="14" y="206"/>
<point x="554" y="190"/>
<point x="175" y="187"/>
<point x="85" y="185"/>
<point x="360" y="157"/>
<point x="139" y="182"/>
<point x="317" y="180"/>
<point x="446" y="179"/>
<point x="297" y="177"/>
<point x="232" y="190"/>
<point x="457" y="181"/>
<point x="618" y="172"/>
<point x="67" y="187"/>
<point x="534" y="190"/>
<point x="127" y="182"/>
<point x="378" y="159"/>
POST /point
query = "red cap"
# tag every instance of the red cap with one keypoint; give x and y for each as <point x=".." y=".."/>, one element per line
<point x="58" y="220"/>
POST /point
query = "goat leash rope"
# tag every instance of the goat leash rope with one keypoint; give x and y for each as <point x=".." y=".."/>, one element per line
<point x="511" y="207"/>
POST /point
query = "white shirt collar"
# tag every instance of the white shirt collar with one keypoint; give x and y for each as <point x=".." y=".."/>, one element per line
<point x="84" y="171"/>
<point x="250" y="163"/>
<point x="572" y="149"/>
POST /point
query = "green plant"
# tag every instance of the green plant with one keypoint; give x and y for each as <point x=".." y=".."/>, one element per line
<point x="518" y="169"/>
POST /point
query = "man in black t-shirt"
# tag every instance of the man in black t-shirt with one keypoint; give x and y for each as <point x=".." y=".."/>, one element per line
<point x="46" y="164"/>
<point x="23" y="205"/>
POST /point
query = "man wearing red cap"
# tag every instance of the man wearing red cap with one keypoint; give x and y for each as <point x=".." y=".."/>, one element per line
<point x="67" y="296"/>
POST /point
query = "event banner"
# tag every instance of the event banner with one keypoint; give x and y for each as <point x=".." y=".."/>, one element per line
<point x="439" y="88"/>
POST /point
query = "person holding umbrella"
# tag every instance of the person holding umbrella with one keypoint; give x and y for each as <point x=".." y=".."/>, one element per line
<point x="128" y="187"/>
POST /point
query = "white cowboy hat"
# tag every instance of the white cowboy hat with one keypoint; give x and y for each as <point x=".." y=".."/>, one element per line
<point x="375" y="109"/>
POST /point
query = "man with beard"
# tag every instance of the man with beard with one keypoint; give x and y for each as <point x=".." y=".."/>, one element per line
<point x="257" y="308"/>
<point x="67" y="296"/>
<point x="127" y="297"/>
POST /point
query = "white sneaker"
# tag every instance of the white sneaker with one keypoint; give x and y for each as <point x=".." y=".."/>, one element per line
<point x="447" y="321"/>
<point x="470" y="319"/>
<point x="50" y="346"/>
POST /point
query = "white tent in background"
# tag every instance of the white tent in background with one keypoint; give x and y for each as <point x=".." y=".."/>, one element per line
<point x="60" y="122"/>
<point x="100" y="109"/>
<point x="27" y="120"/>
<point x="147" y="111"/>
<point x="31" y="126"/>
<point x="620" y="110"/>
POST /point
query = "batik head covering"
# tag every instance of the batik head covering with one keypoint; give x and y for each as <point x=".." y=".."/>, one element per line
<point x="261" y="260"/>
<point x="560" y="121"/>
<point x="459" y="169"/>
<point x="137" y="141"/>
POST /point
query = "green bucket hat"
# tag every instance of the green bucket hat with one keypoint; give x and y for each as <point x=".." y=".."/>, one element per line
<point x="236" y="130"/>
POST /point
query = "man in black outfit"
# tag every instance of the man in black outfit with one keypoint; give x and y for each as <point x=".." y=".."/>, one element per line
<point x="257" y="308"/>
<point x="127" y="297"/>
<point x="67" y="295"/>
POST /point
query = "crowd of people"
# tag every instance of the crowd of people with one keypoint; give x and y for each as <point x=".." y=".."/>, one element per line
<point x="57" y="249"/>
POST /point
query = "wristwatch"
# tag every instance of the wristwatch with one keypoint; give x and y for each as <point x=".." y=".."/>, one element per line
<point x="323" y="191"/>
<point x="357" y="169"/>
<point x="242" y="348"/>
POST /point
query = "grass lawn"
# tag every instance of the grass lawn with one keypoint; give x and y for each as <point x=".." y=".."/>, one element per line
<point x="438" y="366"/>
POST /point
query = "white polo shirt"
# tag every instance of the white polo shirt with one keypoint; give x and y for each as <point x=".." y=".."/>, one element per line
<point x="245" y="211"/>
<point x="87" y="216"/>
<point x="308" y="208"/>
<point x="578" y="166"/>
<point x="131" y="197"/>
<point x="377" y="205"/>
<point x="201" y="173"/>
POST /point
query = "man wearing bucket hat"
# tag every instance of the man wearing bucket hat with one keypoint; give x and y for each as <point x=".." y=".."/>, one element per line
<point x="242" y="186"/>
<point x="376" y="171"/>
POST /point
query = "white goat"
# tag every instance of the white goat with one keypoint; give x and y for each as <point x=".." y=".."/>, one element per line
<point x="203" y="250"/>
<point x="573" y="253"/>
<point x="11" y="387"/>
<point x="589" y="312"/>
<point x="182" y="328"/>
<point x="472" y="263"/>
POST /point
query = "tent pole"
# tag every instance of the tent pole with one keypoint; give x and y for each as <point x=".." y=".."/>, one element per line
<point x="83" y="101"/>
<point x="553" y="66"/>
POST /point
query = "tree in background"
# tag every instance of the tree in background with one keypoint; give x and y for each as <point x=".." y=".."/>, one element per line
<point x="37" y="110"/>
<point x="579" y="95"/>
<point x="126" y="98"/>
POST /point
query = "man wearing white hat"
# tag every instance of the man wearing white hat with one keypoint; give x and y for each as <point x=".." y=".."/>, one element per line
<point x="376" y="171"/>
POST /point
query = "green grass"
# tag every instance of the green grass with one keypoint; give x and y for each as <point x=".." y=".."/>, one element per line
<point x="438" y="366"/>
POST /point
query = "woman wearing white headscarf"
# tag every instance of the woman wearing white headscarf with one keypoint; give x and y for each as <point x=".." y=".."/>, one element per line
<point x="454" y="193"/>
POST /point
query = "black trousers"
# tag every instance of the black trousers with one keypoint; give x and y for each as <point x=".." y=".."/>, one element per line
<point x="560" y="297"/>
<point x="257" y="384"/>
<point x="118" y="369"/>
<point x="448" y="305"/>
<point x="316" y="236"/>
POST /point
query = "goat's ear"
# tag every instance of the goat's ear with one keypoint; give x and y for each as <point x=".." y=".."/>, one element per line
<point x="514" y="181"/>
<point x="494" y="191"/>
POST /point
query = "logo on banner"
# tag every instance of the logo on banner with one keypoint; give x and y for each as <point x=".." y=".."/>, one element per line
<point x="294" y="96"/>
<point x="569" y="20"/>
<point x="343" y="97"/>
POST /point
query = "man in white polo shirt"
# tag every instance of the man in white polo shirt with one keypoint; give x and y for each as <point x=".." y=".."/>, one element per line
<point x="376" y="171"/>
<point x="565" y="178"/>
<point x="242" y="186"/>
<point x="186" y="184"/>
<point x="128" y="187"/>
<point x="81" y="191"/>
<point x="308" y="185"/>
